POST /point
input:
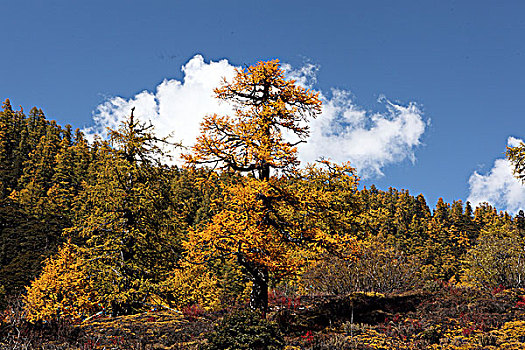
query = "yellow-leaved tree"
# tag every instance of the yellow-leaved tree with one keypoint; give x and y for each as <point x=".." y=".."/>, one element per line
<point x="276" y="216"/>
<point x="127" y="221"/>
<point x="516" y="155"/>
<point x="64" y="290"/>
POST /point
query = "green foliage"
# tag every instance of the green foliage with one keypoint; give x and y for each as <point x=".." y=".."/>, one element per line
<point x="50" y="164"/>
<point x="130" y="218"/>
<point x="439" y="240"/>
<point x="56" y="180"/>
<point x="245" y="330"/>
<point x="41" y="167"/>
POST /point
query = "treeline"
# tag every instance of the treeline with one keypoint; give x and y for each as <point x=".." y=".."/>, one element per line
<point x="405" y="245"/>
<point x="51" y="178"/>
<point x="39" y="160"/>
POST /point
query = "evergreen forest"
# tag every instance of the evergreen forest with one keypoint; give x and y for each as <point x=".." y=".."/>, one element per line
<point x="113" y="244"/>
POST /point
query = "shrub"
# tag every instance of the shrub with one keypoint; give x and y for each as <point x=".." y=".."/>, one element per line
<point x="497" y="261"/>
<point x="245" y="330"/>
<point x="18" y="333"/>
<point x="193" y="312"/>
<point x="376" y="269"/>
<point x="192" y="285"/>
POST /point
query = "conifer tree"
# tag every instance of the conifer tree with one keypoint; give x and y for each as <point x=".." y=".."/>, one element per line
<point x="520" y="222"/>
<point x="38" y="172"/>
<point x="11" y="159"/>
<point x="498" y="259"/>
<point x="126" y="218"/>
<point x="29" y="230"/>
<point x="516" y="155"/>
<point x="64" y="290"/>
<point x="276" y="215"/>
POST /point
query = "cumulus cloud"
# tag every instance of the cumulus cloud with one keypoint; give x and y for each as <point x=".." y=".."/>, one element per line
<point x="370" y="140"/>
<point x="498" y="187"/>
<point x="343" y="132"/>
<point x="175" y="107"/>
<point x="306" y="76"/>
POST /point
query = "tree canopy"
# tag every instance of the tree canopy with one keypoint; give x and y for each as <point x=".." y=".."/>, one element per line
<point x="276" y="216"/>
<point x="516" y="155"/>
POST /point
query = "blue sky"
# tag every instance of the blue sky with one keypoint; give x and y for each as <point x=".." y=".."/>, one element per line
<point x="460" y="62"/>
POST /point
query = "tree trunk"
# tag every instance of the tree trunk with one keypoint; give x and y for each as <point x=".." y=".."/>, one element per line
<point x="259" y="294"/>
<point x="259" y="277"/>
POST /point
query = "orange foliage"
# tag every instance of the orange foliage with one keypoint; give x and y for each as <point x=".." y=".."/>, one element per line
<point x="265" y="104"/>
<point x="281" y="223"/>
<point x="271" y="222"/>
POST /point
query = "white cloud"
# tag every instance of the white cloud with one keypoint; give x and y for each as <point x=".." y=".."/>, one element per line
<point x="344" y="131"/>
<point x="498" y="187"/>
<point x="370" y="140"/>
<point x="305" y="76"/>
<point x="175" y="107"/>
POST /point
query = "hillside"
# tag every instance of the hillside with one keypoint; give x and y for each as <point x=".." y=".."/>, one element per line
<point x="108" y="244"/>
<point x="445" y="318"/>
